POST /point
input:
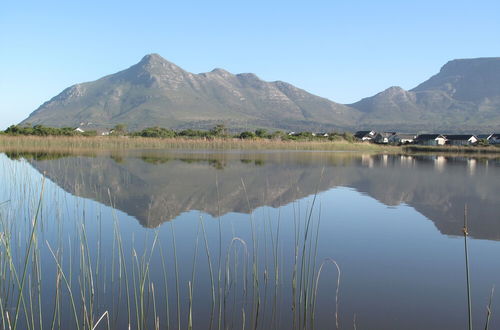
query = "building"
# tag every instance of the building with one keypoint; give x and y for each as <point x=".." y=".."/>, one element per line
<point x="483" y="136"/>
<point x="494" y="138"/>
<point x="106" y="133"/>
<point x="365" y="135"/>
<point x="383" y="137"/>
<point x="431" y="140"/>
<point x="400" y="138"/>
<point x="461" y="140"/>
<point x="79" y="130"/>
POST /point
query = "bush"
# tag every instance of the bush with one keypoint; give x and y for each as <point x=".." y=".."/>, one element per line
<point x="262" y="133"/>
<point x="246" y="135"/>
<point x="40" y="130"/>
<point x="156" y="132"/>
<point x="193" y="133"/>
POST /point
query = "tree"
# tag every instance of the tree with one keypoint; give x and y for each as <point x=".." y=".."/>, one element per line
<point x="246" y="135"/>
<point x="120" y="129"/>
<point x="219" y="130"/>
<point x="262" y="133"/>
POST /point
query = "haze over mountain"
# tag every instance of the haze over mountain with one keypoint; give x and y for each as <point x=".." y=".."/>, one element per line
<point x="464" y="95"/>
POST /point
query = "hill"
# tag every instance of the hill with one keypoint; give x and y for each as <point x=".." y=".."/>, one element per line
<point x="155" y="92"/>
<point x="464" y="95"/>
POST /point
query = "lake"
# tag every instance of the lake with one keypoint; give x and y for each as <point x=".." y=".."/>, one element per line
<point x="257" y="240"/>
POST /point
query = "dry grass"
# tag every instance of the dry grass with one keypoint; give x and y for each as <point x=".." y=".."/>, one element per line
<point x="89" y="144"/>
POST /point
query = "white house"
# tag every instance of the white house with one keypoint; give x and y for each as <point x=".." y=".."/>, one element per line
<point x="431" y="139"/>
<point x="365" y="135"/>
<point x="461" y="140"/>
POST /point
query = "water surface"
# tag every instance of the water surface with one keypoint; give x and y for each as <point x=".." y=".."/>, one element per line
<point x="247" y="226"/>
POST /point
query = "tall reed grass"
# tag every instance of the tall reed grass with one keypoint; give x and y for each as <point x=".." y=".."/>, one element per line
<point x="59" y="270"/>
<point x="89" y="144"/>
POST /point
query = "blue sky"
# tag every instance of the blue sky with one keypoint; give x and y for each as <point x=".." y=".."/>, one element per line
<point x="342" y="50"/>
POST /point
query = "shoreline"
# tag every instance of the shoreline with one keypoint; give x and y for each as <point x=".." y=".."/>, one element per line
<point x="93" y="145"/>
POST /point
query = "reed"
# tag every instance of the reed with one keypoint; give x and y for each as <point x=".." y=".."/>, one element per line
<point x="122" y="284"/>
<point x="95" y="144"/>
<point x="488" y="309"/>
<point x="465" y="231"/>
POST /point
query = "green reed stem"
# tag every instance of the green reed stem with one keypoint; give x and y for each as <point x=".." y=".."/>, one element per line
<point x="32" y="237"/>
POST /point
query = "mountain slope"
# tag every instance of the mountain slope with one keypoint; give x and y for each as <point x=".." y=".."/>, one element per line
<point x="155" y="92"/>
<point x="464" y="95"/>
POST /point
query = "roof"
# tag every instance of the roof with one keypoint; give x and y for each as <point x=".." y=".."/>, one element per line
<point x="483" y="136"/>
<point x="495" y="136"/>
<point x="360" y="134"/>
<point x="405" y="136"/>
<point x="386" y="134"/>
<point x="428" y="136"/>
<point x="459" y="137"/>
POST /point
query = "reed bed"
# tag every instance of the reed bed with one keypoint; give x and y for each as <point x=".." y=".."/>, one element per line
<point x="65" y="264"/>
<point x="89" y="144"/>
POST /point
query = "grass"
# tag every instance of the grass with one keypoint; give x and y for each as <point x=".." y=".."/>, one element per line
<point x="92" y="144"/>
<point x="122" y="282"/>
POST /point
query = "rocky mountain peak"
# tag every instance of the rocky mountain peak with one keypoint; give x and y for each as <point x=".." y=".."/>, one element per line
<point x="221" y="72"/>
<point x="155" y="64"/>
<point x="394" y="90"/>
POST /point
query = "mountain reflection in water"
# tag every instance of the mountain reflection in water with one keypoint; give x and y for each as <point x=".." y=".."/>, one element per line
<point x="155" y="187"/>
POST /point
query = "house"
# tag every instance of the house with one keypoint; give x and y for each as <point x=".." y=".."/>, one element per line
<point x="365" y="135"/>
<point x="106" y="133"/>
<point x="320" y="134"/>
<point x="400" y="138"/>
<point x="483" y="136"/>
<point x="430" y="139"/>
<point x="79" y="130"/>
<point x="383" y="137"/>
<point x="461" y="140"/>
<point x="494" y="138"/>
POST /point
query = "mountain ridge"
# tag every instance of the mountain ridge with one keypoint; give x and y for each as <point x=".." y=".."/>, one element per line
<point x="463" y="95"/>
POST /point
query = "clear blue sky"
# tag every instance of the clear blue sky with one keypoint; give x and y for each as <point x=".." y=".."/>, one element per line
<point x="342" y="50"/>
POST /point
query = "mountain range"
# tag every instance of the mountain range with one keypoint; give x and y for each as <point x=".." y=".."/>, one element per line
<point x="463" y="96"/>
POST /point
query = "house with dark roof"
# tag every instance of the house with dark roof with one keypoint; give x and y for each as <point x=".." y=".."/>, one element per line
<point x="431" y="139"/>
<point x="400" y="138"/>
<point x="483" y="136"/>
<point x="494" y="138"/>
<point x="365" y="135"/>
<point x="383" y="137"/>
<point x="461" y="139"/>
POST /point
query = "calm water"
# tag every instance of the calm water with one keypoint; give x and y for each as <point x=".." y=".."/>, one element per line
<point x="245" y="235"/>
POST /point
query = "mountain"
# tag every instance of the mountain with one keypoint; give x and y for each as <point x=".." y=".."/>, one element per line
<point x="155" y="92"/>
<point x="464" y="95"/>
